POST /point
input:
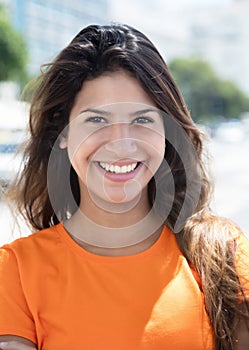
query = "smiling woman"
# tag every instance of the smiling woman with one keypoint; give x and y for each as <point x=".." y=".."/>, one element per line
<point x="115" y="185"/>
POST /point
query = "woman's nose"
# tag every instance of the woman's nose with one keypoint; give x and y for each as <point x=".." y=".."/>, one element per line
<point x="121" y="141"/>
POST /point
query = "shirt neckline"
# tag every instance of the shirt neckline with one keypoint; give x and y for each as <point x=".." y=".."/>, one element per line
<point x="157" y="247"/>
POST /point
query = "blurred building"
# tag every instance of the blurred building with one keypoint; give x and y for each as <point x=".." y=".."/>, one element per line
<point x="216" y="31"/>
<point x="220" y="34"/>
<point x="49" y="25"/>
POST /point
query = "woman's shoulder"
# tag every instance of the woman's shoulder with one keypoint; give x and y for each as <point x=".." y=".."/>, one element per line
<point x="37" y="241"/>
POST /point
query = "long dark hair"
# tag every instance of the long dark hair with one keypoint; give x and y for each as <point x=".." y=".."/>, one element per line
<point x="94" y="51"/>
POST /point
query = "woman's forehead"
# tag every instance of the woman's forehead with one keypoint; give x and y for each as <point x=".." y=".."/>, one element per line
<point x="108" y="89"/>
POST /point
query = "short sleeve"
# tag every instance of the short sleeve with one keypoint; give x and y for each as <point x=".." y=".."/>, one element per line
<point x="15" y="316"/>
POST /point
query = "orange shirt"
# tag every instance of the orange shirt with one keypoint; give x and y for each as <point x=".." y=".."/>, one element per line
<point x="62" y="297"/>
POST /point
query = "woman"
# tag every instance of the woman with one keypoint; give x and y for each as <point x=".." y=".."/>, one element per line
<point x="127" y="254"/>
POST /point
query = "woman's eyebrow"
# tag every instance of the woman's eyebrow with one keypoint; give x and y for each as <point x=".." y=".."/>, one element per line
<point x="96" y="111"/>
<point x="143" y="111"/>
<point x="132" y="114"/>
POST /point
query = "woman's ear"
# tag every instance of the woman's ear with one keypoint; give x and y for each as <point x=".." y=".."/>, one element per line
<point x="63" y="142"/>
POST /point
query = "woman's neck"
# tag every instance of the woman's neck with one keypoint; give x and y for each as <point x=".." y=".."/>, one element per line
<point x="122" y="232"/>
<point x="114" y="215"/>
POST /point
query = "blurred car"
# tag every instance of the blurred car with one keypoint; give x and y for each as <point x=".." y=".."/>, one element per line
<point x="10" y="162"/>
<point x="13" y="120"/>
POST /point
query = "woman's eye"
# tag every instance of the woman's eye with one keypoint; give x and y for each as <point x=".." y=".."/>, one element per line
<point x="96" y="119"/>
<point x="142" y="120"/>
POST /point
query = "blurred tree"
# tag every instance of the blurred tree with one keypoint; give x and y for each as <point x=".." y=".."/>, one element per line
<point x="207" y="96"/>
<point x="13" y="51"/>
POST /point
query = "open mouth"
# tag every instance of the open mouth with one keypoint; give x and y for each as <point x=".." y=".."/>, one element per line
<point x="116" y="169"/>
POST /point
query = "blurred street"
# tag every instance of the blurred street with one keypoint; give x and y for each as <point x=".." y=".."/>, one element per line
<point x="231" y="173"/>
<point x="230" y="168"/>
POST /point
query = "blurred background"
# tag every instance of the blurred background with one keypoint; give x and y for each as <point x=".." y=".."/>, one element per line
<point x="206" y="45"/>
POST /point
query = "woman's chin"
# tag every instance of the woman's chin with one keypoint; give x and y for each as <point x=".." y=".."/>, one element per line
<point x="117" y="202"/>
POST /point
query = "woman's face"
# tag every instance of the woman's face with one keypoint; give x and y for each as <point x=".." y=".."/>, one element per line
<point x="116" y="138"/>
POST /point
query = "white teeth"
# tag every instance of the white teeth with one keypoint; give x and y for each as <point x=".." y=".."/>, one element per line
<point x="117" y="169"/>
